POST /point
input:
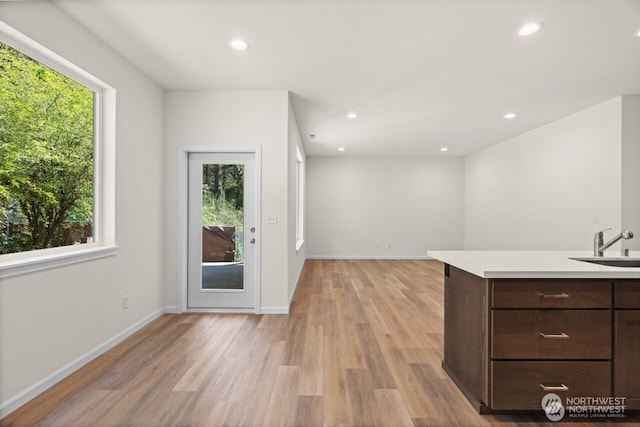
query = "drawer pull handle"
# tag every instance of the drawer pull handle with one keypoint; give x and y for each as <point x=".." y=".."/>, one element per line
<point x="560" y="387"/>
<point x="555" y="296"/>
<point x="561" y="336"/>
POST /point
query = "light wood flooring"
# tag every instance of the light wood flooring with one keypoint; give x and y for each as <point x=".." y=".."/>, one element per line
<point x="362" y="347"/>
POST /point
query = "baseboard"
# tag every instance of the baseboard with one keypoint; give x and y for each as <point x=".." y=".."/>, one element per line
<point x="274" y="310"/>
<point x="371" y="257"/>
<point x="222" y="310"/>
<point x="23" y="397"/>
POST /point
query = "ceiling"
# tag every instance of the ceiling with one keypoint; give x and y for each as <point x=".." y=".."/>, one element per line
<point x="420" y="74"/>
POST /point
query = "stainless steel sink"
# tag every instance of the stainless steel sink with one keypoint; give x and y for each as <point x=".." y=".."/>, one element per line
<point x="612" y="262"/>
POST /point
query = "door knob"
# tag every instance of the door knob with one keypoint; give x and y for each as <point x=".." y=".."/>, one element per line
<point x="253" y="240"/>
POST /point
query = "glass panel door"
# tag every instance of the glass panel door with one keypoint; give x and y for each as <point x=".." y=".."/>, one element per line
<point x="221" y="249"/>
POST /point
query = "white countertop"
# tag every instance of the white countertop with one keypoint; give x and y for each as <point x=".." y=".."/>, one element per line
<point x="533" y="264"/>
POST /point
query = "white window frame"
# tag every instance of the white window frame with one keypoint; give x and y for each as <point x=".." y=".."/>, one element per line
<point x="300" y="179"/>
<point x="104" y="167"/>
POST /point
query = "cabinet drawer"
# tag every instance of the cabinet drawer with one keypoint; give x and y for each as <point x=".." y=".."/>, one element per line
<point x="628" y="294"/>
<point x="551" y="334"/>
<point x="518" y="385"/>
<point x="551" y="294"/>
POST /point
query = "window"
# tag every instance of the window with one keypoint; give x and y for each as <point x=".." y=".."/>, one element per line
<point x="56" y="159"/>
<point x="299" y="199"/>
<point x="46" y="156"/>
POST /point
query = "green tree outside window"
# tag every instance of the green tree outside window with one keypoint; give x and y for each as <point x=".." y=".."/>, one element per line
<point x="46" y="156"/>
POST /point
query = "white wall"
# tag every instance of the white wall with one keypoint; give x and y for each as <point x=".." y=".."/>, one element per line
<point x="51" y="318"/>
<point x="296" y="257"/>
<point x="234" y="119"/>
<point x="384" y="207"/>
<point x="631" y="168"/>
<point x="542" y="189"/>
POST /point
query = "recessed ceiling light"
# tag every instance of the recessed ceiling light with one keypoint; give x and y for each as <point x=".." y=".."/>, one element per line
<point x="443" y="149"/>
<point x="341" y="149"/>
<point x="510" y="116"/>
<point x="530" y="28"/>
<point x="637" y="33"/>
<point x="239" y="44"/>
<point x="352" y="115"/>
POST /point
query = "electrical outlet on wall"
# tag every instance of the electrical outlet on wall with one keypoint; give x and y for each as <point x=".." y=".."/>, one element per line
<point x="125" y="302"/>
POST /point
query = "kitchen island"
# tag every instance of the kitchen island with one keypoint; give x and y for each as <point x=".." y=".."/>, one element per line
<point x="522" y="324"/>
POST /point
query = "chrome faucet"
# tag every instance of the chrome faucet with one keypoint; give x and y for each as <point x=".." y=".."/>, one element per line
<point x="599" y="247"/>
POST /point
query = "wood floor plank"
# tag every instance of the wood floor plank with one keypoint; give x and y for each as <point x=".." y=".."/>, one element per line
<point x="349" y="344"/>
<point x="327" y="289"/>
<point x="83" y="409"/>
<point x="309" y="412"/>
<point x="310" y="378"/>
<point x="334" y="384"/>
<point x="362" y="347"/>
<point x="283" y="402"/>
<point x="294" y="351"/>
<point x="361" y="398"/>
<point x="446" y="396"/>
<point x="375" y="318"/>
<point x="329" y="317"/>
<point x="208" y="355"/>
<point x="417" y="403"/>
<point x="375" y="362"/>
<point x="392" y="408"/>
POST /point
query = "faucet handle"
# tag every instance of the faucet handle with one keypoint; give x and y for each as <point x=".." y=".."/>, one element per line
<point x="599" y="233"/>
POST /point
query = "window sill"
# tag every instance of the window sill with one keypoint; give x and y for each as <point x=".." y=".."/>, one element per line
<point x="299" y="244"/>
<point x="18" y="267"/>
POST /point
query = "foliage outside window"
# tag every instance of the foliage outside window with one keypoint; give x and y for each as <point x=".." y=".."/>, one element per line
<point x="223" y="200"/>
<point x="46" y="156"/>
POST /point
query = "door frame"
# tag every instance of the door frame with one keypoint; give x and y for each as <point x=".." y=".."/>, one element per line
<point x="183" y="223"/>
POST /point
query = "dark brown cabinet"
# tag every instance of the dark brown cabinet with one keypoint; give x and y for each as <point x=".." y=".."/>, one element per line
<point x="548" y="337"/>
<point x="627" y="342"/>
<point x="509" y="342"/>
